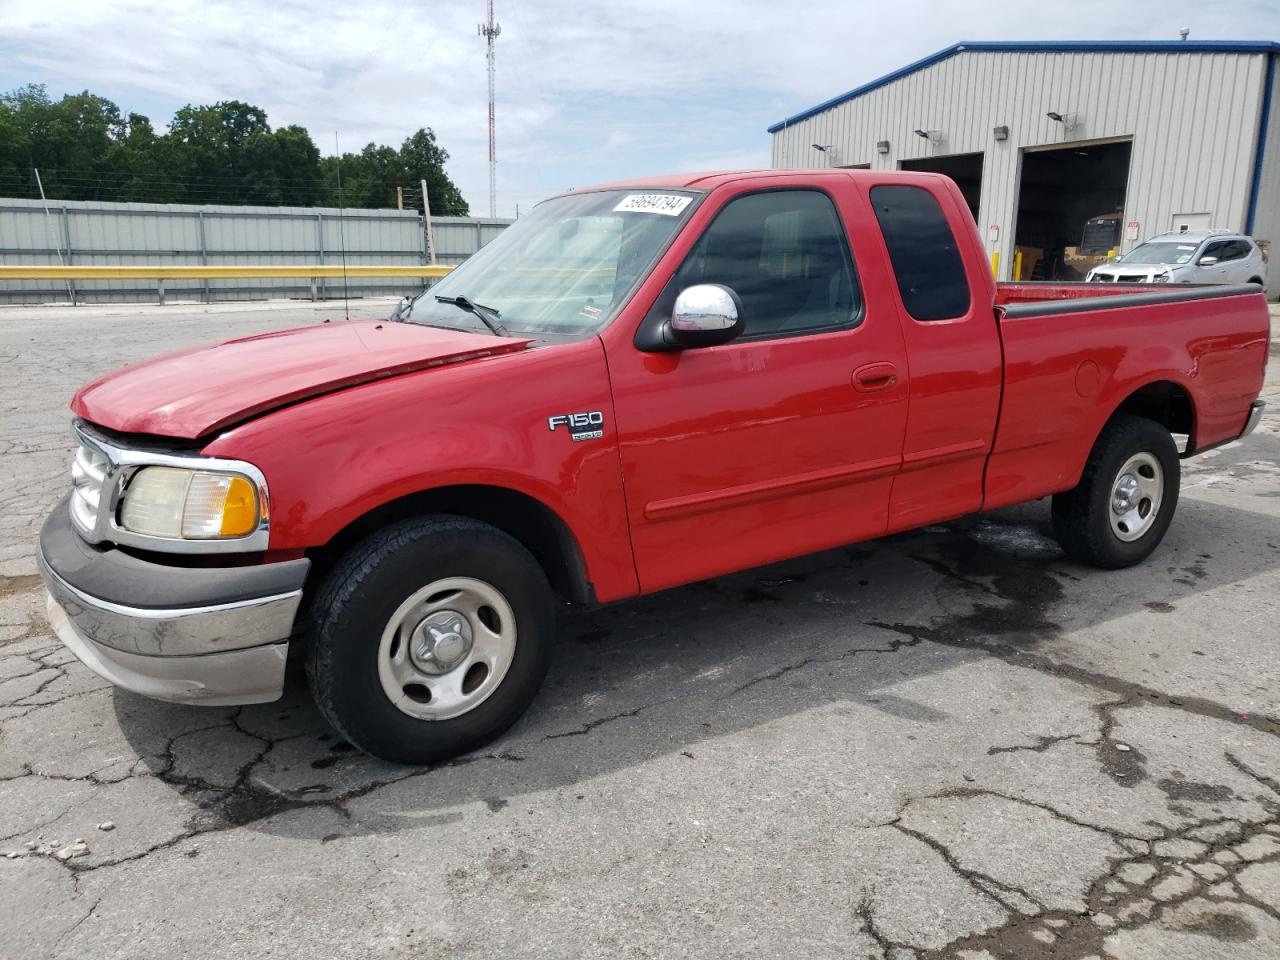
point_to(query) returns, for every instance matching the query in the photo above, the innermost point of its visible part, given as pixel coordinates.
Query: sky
(586, 92)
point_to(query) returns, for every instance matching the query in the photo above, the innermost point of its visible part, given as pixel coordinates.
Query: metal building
(1070, 151)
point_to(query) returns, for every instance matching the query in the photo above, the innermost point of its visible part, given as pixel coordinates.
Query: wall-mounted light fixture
(882, 146)
(1068, 120)
(933, 136)
(1000, 133)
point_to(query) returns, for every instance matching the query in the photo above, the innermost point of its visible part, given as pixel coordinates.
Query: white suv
(1194, 256)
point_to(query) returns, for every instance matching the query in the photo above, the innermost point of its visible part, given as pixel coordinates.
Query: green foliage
(226, 152)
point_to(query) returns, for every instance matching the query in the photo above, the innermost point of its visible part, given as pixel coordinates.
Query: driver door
(784, 441)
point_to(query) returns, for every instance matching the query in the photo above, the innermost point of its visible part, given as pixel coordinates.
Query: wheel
(1126, 497)
(430, 638)
(1257, 280)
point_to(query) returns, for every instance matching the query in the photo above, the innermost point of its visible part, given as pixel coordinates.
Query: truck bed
(1075, 351)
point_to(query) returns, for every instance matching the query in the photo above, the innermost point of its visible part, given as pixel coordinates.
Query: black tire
(1257, 280)
(1082, 516)
(360, 595)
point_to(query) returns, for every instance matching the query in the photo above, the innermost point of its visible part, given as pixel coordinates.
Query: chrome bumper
(190, 634)
(250, 675)
(177, 631)
(1255, 414)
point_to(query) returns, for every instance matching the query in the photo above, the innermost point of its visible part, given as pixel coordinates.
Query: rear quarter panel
(1066, 374)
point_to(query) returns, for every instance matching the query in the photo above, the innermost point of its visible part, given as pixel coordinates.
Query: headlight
(183, 504)
(1161, 277)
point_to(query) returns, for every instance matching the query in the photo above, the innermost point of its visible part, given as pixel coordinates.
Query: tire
(442, 574)
(1084, 521)
(1257, 280)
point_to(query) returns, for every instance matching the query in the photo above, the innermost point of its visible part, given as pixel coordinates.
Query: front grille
(88, 478)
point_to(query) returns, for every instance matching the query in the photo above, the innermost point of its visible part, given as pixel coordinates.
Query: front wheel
(430, 638)
(1122, 507)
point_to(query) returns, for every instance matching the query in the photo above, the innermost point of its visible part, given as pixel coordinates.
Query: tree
(143, 165)
(216, 149)
(423, 159)
(298, 165)
(226, 152)
(370, 177)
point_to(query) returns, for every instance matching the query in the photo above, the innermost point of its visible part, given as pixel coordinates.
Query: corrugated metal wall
(108, 234)
(1192, 119)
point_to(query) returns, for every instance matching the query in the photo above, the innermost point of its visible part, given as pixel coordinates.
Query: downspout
(1260, 151)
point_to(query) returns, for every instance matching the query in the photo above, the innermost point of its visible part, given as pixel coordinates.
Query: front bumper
(210, 635)
(251, 675)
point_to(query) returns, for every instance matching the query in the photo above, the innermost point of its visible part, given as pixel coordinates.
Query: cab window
(923, 250)
(785, 254)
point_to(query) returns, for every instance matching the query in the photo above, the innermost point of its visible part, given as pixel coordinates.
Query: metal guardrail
(313, 272)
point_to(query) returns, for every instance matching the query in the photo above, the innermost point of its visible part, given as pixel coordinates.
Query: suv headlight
(1162, 277)
(182, 504)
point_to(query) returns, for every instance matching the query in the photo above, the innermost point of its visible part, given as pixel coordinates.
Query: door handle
(874, 377)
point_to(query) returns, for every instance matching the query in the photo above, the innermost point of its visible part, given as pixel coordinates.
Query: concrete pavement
(951, 743)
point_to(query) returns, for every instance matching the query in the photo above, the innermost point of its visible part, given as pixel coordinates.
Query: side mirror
(1207, 261)
(704, 315)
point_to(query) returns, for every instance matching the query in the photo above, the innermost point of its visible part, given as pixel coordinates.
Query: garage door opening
(964, 168)
(1070, 209)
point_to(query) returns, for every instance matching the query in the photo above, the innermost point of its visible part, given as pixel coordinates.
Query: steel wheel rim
(1136, 495)
(447, 648)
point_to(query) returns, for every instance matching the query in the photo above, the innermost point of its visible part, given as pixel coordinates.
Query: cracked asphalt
(953, 743)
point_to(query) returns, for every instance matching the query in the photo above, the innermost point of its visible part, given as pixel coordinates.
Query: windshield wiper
(401, 313)
(488, 316)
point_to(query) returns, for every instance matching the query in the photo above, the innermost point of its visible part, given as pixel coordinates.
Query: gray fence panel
(110, 234)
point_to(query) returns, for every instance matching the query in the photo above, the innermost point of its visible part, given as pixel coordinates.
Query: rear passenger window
(923, 251)
(784, 253)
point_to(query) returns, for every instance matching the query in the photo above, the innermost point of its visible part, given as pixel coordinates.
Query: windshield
(562, 270)
(1163, 252)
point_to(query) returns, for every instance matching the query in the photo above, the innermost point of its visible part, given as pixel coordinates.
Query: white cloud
(584, 92)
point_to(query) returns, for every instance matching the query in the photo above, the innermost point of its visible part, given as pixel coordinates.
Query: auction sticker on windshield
(667, 204)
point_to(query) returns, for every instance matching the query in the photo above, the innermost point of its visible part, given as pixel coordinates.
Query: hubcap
(1136, 496)
(440, 641)
(447, 648)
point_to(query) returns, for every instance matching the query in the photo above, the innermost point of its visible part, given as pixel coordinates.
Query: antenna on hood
(342, 235)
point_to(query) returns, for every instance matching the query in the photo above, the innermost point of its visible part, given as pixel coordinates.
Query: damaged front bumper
(208, 635)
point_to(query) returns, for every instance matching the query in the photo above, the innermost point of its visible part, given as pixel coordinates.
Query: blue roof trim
(1052, 46)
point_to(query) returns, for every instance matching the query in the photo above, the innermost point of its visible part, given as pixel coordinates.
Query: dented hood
(205, 389)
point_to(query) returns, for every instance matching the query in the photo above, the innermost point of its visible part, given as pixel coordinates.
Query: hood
(196, 392)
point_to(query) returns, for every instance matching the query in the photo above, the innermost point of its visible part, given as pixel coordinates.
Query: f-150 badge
(582, 426)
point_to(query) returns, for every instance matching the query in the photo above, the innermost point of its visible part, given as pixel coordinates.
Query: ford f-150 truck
(635, 386)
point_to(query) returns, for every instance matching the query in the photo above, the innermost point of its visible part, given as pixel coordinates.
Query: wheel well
(1257, 280)
(1168, 404)
(528, 520)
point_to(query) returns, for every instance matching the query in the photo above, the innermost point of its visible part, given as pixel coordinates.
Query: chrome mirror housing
(704, 314)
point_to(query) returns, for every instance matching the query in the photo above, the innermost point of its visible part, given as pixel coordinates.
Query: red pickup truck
(635, 386)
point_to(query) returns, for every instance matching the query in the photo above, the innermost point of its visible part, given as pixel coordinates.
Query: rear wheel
(1257, 280)
(430, 638)
(1122, 507)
